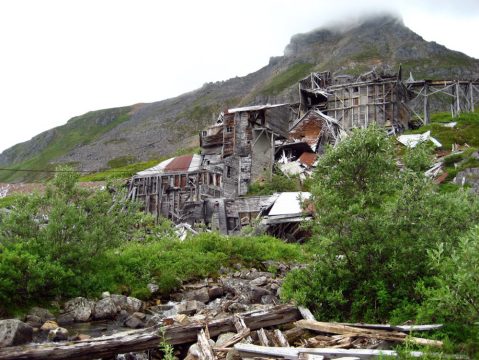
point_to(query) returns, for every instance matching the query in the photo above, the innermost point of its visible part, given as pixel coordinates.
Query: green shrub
(278, 183)
(371, 231)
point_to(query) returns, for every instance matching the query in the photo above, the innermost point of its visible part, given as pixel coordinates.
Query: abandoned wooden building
(245, 144)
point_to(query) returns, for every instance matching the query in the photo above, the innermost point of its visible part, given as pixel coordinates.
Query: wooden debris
(402, 328)
(241, 326)
(249, 350)
(204, 347)
(304, 356)
(143, 339)
(263, 338)
(281, 339)
(294, 334)
(334, 328)
(306, 313)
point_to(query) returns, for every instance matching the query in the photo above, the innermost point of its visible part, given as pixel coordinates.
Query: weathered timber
(263, 338)
(204, 347)
(291, 353)
(306, 313)
(143, 339)
(402, 328)
(281, 339)
(304, 356)
(334, 328)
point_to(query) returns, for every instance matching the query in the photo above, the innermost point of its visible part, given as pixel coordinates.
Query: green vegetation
(372, 231)
(79, 130)
(70, 242)
(278, 183)
(121, 161)
(465, 132)
(286, 78)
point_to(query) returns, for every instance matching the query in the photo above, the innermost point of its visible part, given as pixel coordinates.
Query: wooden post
(426, 103)
(458, 99)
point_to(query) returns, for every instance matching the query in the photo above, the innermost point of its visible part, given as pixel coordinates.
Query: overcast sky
(62, 58)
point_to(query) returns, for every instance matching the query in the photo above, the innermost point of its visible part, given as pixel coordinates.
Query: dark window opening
(229, 129)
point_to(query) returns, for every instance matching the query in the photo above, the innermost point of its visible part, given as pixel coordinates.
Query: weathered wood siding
(262, 155)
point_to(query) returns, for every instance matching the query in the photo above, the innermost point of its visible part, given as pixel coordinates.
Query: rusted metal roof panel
(180, 163)
(308, 159)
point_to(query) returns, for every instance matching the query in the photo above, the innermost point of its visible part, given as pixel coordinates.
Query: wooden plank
(250, 350)
(305, 356)
(281, 338)
(306, 313)
(263, 339)
(204, 348)
(402, 328)
(334, 328)
(143, 339)
(241, 326)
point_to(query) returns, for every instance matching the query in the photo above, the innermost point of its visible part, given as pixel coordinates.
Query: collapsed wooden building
(245, 144)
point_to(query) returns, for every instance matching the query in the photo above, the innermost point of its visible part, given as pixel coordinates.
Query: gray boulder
(14, 332)
(133, 304)
(34, 321)
(199, 294)
(58, 334)
(153, 288)
(65, 319)
(134, 323)
(43, 314)
(105, 309)
(120, 301)
(80, 308)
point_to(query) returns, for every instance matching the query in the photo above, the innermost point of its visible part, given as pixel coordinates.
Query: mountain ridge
(144, 131)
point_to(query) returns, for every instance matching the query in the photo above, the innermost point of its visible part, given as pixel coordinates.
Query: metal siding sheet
(307, 159)
(288, 203)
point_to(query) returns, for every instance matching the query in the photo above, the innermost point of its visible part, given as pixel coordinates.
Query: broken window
(229, 129)
(228, 171)
(204, 133)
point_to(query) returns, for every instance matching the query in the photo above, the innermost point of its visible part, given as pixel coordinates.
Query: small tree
(372, 228)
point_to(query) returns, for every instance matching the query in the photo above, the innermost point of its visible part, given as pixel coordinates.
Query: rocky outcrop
(14, 332)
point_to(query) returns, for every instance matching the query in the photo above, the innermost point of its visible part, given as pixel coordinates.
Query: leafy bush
(74, 242)
(372, 229)
(278, 183)
(169, 261)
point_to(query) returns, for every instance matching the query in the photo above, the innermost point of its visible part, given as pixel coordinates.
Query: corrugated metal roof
(289, 203)
(254, 108)
(308, 159)
(180, 163)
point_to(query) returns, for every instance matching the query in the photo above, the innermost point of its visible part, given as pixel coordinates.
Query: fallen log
(334, 328)
(143, 339)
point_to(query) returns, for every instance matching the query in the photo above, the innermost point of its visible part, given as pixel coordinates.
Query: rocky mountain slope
(106, 138)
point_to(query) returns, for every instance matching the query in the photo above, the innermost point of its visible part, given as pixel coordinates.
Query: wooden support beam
(249, 350)
(205, 351)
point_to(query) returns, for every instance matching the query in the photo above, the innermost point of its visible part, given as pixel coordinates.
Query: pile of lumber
(267, 334)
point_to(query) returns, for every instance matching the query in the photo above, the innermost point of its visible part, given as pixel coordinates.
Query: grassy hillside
(161, 128)
(80, 130)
